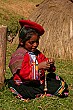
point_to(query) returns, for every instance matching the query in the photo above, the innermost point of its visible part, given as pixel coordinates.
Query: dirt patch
(23, 8)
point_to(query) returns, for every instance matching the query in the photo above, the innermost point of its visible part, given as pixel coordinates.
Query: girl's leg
(24, 91)
(56, 85)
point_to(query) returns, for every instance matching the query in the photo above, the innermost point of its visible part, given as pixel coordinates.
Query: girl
(28, 66)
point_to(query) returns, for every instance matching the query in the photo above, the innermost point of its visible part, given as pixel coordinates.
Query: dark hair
(26, 33)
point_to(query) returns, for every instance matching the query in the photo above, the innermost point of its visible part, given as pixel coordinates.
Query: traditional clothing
(33, 25)
(28, 81)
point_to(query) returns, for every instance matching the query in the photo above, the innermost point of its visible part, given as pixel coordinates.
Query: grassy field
(64, 68)
(8, 102)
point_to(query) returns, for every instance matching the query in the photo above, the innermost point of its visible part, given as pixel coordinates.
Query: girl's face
(32, 43)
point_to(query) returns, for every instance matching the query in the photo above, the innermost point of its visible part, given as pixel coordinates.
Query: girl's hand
(46, 64)
(51, 60)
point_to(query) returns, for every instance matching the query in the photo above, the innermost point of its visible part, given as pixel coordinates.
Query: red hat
(31, 24)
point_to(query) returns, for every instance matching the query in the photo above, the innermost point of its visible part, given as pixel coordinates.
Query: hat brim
(31, 24)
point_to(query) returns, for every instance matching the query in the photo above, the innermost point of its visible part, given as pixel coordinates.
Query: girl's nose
(35, 44)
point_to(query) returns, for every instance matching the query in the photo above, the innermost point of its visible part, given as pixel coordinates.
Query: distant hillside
(13, 10)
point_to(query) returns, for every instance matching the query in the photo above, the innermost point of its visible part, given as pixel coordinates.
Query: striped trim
(61, 89)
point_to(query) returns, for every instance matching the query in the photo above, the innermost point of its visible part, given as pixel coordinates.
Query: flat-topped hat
(33, 25)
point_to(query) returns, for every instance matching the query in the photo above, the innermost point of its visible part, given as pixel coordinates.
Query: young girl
(33, 73)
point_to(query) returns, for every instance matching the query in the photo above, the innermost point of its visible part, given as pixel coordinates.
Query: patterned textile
(30, 91)
(61, 89)
(26, 87)
(57, 85)
(15, 93)
(19, 96)
(16, 60)
(34, 66)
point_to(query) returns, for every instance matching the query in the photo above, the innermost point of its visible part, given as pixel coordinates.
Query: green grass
(9, 102)
(10, 20)
(64, 68)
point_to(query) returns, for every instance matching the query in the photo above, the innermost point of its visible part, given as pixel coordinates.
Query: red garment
(33, 25)
(25, 71)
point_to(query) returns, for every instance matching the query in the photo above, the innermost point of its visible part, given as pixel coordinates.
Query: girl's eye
(37, 41)
(32, 42)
